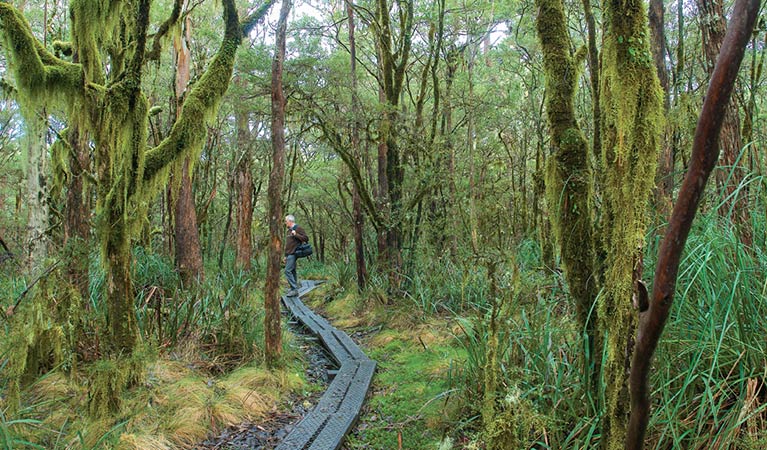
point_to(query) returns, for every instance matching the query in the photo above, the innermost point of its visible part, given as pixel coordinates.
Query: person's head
(290, 220)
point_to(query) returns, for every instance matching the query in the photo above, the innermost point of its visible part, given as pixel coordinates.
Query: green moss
(40, 334)
(41, 78)
(514, 423)
(411, 390)
(632, 124)
(115, 113)
(569, 178)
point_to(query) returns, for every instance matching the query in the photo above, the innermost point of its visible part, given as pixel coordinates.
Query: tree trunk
(451, 66)
(382, 197)
(392, 64)
(594, 75)
(664, 179)
(37, 190)
(632, 123)
(244, 180)
(471, 147)
(273, 332)
(187, 237)
(568, 180)
(731, 176)
(705, 153)
(77, 213)
(357, 217)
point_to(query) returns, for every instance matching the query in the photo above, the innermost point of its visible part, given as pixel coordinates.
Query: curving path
(325, 427)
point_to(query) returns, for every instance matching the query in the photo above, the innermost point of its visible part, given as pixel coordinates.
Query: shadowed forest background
(486, 185)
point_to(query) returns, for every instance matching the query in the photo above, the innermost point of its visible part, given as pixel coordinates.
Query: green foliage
(715, 333)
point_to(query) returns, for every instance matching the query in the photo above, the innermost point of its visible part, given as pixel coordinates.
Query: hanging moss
(632, 123)
(41, 78)
(569, 178)
(41, 333)
(115, 112)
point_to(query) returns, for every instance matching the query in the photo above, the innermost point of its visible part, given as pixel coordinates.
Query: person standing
(296, 236)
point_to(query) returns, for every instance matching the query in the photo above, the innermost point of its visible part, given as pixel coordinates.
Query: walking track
(325, 427)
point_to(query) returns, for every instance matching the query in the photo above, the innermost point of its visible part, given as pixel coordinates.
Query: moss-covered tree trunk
(77, 213)
(569, 178)
(357, 216)
(272, 330)
(632, 121)
(392, 63)
(37, 190)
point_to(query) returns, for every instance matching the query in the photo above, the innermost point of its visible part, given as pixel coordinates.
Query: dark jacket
(291, 242)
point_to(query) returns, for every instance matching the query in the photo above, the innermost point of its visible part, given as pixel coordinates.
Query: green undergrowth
(201, 358)
(410, 401)
(710, 379)
(175, 407)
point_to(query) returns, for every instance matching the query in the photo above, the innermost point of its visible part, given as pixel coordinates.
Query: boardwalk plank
(325, 427)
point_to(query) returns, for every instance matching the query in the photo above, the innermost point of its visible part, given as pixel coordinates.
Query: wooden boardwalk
(325, 427)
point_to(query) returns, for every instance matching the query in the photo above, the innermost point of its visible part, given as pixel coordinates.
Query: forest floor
(409, 405)
(268, 433)
(186, 401)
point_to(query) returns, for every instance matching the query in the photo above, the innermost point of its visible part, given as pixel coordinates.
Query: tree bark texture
(730, 178)
(77, 214)
(187, 237)
(244, 182)
(273, 332)
(37, 190)
(705, 154)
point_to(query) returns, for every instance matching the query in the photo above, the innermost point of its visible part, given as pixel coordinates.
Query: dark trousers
(290, 271)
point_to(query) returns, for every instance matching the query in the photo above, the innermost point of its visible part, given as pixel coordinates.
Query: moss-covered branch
(247, 24)
(154, 54)
(188, 132)
(568, 181)
(37, 72)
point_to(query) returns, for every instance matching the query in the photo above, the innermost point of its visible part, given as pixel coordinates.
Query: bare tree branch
(705, 153)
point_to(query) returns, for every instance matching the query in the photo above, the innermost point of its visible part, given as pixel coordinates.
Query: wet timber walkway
(325, 427)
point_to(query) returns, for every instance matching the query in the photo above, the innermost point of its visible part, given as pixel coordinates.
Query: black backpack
(303, 250)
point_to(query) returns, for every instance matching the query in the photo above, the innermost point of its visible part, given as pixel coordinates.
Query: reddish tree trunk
(187, 237)
(244, 180)
(704, 157)
(729, 179)
(188, 252)
(273, 333)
